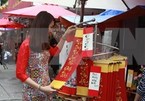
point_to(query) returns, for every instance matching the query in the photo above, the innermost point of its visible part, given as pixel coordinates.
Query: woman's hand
(69, 32)
(47, 89)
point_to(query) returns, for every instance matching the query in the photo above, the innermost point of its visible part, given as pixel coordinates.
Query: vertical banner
(103, 90)
(83, 72)
(70, 87)
(111, 79)
(122, 64)
(122, 67)
(87, 46)
(63, 55)
(72, 61)
(129, 77)
(94, 81)
(116, 85)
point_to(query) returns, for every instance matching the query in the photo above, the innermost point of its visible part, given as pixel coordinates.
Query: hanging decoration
(87, 46)
(72, 61)
(4, 6)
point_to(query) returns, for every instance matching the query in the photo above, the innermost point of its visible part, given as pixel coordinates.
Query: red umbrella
(98, 4)
(5, 23)
(56, 11)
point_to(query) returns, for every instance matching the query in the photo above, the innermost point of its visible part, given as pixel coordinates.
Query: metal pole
(125, 4)
(82, 9)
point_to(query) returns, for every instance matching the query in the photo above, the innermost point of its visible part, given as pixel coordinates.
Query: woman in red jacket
(33, 56)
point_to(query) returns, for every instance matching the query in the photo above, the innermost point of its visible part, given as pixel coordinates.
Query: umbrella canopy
(68, 20)
(116, 21)
(5, 23)
(133, 13)
(31, 12)
(133, 3)
(100, 4)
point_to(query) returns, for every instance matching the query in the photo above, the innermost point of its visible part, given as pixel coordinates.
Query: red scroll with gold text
(72, 61)
(87, 46)
(83, 72)
(122, 64)
(94, 81)
(105, 81)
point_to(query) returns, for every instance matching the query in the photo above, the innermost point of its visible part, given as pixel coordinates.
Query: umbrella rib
(125, 4)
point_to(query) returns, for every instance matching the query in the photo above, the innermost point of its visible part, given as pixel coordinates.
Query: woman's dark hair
(39, 38)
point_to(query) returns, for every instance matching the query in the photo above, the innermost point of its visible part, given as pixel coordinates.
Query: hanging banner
(122, 64)
(104, 80)
(72, 61)
(94, 81)
(70, 87)
(116, 82)
(83, 72)
(87, 46)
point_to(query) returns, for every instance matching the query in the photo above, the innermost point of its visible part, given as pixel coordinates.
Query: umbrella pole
(22, 36)
(82, 9)
(125, 4)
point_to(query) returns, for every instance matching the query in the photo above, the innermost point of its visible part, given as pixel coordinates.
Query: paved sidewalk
(10, 87)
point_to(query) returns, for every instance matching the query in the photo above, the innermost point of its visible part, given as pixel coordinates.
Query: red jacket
(23, 58)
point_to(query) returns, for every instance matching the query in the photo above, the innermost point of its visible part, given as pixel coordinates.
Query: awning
(69, 20)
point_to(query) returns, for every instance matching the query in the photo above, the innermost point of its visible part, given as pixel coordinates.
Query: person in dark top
(1, 57)
(1, 53)
(140, 92)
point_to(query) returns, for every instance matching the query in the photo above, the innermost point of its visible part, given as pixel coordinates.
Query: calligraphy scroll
(87, 46)
(122, 64)
(94, 81)
(70, 87)
(83, 72)
(104, 80)
(72, 61)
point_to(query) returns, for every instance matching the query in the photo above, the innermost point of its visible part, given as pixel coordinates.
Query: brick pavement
(10, 87)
